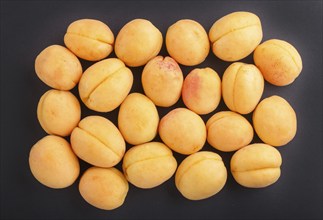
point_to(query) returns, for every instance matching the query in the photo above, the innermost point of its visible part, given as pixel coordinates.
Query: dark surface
(27, 27)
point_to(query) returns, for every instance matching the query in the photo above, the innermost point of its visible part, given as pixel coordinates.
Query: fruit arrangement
(106, 85)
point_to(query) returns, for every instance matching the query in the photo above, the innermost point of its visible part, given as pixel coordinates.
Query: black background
(27, 27)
